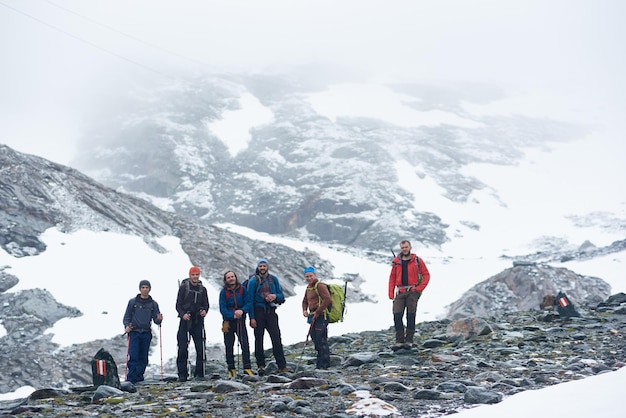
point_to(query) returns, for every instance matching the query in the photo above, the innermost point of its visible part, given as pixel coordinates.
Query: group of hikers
(257, 298)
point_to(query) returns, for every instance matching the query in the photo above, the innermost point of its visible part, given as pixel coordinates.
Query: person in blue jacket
(233, 309)
(265, 295)
(141, 310)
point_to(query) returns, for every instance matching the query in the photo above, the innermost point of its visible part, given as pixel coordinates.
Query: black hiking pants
(237, 327)
(194, 328)
(319, 335)
(267, 319)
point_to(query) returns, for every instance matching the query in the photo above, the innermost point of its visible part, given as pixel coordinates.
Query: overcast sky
(63, 58)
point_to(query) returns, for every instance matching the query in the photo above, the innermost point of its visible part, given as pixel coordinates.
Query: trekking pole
(203, 349)
(161, 349)
(127, 356)
(345, 294)
(306, 342)
(188, 341)
(238, 341)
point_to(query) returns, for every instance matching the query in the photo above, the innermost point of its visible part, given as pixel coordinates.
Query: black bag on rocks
(104, 370)
(564, 306)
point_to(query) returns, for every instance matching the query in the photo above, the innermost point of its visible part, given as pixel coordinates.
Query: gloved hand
(225, 327)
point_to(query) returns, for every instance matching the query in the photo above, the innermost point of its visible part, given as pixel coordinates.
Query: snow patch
(234, 127)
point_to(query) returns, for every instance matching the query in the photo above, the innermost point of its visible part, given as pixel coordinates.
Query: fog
(63, 60)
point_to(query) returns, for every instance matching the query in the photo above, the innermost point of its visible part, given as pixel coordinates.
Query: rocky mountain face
(303, 174)
(36, 194)
(454, 365)
(523, 286)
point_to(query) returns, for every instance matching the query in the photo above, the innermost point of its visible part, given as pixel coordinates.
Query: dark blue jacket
(140, 312)
(230, 300)
(258, 287)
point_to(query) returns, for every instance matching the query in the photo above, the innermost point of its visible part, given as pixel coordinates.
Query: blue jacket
(230, 300)
(140, 312)
(255, 296)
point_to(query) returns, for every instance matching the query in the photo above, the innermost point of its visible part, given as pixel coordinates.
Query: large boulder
(522, 288)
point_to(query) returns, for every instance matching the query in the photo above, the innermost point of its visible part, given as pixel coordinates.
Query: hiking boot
(261, 371)
(397, 346)
(408, 346)
(284, 370)
(232, 373)
(400, 336)
(182, 379)
(248, 372)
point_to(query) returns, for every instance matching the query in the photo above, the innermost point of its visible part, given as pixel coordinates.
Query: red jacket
(395, 277)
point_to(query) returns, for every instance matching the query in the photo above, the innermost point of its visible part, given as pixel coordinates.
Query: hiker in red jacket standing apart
(408, 278)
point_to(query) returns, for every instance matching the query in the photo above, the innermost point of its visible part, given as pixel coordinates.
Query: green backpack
(334, 313)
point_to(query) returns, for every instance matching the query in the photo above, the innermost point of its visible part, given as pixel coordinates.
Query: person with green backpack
(314, 306)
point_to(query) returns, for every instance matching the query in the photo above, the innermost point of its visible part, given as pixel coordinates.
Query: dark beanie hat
(144, 283)
(262, 261)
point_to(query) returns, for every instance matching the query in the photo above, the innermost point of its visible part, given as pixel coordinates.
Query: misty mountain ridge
(301, 173)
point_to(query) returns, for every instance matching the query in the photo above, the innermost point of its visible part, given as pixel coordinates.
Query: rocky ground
(454, 365)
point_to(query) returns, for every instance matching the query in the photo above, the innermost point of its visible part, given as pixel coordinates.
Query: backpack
(564, 306)
(334, 312)
(245, 283)
(104, 370)
(241, 291)
(419, 271)
(188, 289)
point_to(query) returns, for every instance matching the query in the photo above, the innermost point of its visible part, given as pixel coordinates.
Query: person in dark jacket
(265, 295)
(316, 300)
(140, 311)
(408, 278)
(234, 309)
(192, 305)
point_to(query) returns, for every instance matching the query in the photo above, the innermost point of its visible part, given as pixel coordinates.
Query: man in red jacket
(408, 278)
